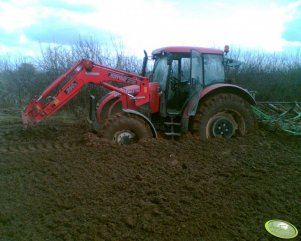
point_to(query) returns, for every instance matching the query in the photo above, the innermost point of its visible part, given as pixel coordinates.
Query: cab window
(213, 69)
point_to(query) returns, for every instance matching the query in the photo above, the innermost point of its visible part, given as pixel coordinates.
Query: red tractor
(185, 92)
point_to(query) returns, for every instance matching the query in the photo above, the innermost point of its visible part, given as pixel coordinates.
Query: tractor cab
(183, 72)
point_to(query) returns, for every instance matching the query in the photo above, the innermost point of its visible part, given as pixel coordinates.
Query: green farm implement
(285, 116)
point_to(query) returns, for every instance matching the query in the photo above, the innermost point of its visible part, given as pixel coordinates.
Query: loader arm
(54, 97)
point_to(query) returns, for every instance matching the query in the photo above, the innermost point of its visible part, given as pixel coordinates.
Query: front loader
(185, 92)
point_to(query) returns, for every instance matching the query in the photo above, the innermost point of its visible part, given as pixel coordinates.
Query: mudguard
(191, 108)
(114, 102)
(146, 119)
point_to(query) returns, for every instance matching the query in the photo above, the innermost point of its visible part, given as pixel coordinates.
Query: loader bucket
(25, 119)
(32, 114)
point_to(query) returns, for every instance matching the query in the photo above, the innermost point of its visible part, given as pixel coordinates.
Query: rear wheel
(125, 129)
(223, 115)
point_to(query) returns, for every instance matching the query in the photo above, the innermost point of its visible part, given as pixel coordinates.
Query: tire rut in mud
(41, 147)
(14, 139)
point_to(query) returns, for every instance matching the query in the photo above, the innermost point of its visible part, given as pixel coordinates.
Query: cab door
(179, 83)
(186, 79)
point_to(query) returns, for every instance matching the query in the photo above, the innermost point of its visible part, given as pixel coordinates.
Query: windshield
(213, 69)
(160, 72)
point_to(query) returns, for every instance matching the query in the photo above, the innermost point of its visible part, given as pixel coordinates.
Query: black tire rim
(222, 125)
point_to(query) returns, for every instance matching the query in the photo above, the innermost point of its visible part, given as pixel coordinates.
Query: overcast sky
(268, 25)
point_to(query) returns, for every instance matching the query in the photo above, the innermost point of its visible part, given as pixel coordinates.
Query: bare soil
(58, 181)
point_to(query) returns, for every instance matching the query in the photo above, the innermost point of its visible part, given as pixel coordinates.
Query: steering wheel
(174, 83)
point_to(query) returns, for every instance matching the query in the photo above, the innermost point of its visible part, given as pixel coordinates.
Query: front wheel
(223, 115)
(125, 129)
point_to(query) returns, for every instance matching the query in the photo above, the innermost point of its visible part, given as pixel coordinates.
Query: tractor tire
(125, 129)
(223, 115)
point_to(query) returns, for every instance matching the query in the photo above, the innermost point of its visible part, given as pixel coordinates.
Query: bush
(274, 77)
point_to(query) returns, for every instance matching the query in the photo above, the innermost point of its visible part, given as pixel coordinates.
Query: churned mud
(58, 181)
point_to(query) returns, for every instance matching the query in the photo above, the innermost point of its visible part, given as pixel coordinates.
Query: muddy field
(58, 181)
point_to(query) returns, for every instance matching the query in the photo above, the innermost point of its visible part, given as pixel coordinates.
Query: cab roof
(186, 49)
